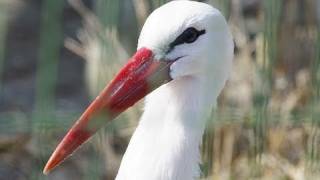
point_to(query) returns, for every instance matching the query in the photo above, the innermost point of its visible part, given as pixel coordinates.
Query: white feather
(165, 145)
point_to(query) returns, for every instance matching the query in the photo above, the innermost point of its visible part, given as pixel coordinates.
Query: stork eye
(188, 36)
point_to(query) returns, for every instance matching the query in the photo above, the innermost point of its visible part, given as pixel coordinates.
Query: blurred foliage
(3, 32)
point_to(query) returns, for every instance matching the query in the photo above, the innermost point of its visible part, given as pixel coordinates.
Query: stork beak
(141, 75)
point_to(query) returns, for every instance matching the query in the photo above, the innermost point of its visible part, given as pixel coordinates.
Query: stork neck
(166, 142)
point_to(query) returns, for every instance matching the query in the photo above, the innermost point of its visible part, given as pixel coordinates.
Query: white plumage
(165, 145)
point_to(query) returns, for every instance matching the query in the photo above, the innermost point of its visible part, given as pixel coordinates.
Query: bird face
(194, 35)
(181, 38)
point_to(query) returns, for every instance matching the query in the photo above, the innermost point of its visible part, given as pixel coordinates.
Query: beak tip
(46, 170)
(51, 164)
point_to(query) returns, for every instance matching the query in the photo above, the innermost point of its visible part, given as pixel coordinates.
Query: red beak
(141, 75)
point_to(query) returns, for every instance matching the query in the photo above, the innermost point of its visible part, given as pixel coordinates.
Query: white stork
(184, 57)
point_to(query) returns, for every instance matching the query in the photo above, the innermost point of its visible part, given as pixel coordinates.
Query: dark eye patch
(188, 36)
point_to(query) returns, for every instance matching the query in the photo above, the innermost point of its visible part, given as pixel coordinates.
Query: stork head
(181, 38)
(192, 34)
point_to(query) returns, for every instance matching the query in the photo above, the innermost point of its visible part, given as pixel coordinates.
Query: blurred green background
(56, 55)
